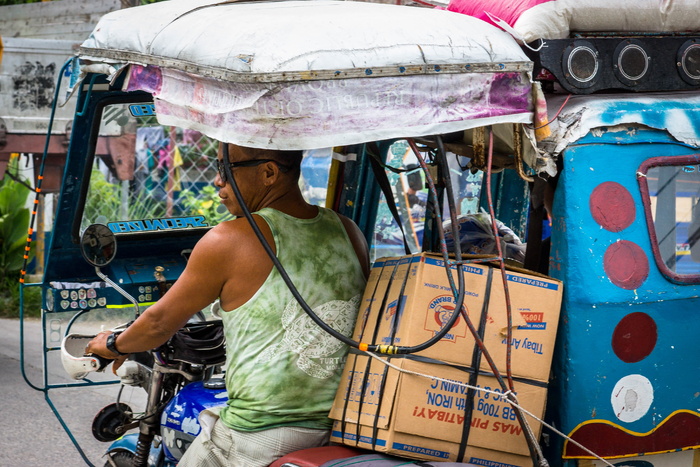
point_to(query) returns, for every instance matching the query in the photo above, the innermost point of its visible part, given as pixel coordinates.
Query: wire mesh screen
(145, 171)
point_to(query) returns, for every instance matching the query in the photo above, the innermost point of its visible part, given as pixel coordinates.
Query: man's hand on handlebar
(98, 346)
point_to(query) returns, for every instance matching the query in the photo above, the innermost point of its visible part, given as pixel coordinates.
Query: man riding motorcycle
(280, 381)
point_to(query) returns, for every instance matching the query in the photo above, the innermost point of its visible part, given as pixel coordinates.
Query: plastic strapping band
(382, 385)
(463, 368)
(476, 363)
(365, 376)
(343, 424)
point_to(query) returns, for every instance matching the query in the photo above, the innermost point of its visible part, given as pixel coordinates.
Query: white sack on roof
(242, 41)
(557, 19)
(308, 74)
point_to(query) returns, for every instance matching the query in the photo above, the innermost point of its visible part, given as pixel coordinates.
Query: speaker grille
(581, 64)
(689, 62)
(632, 62)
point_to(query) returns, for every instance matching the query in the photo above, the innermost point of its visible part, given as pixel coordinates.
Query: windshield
(149, 177)
(146, 176)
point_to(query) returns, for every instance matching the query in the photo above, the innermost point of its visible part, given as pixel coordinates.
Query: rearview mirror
(98, 245)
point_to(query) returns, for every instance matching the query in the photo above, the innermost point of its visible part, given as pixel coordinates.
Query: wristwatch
(111, 343)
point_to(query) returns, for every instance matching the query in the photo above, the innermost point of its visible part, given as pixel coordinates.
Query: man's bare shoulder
(228, 234)
(232, 253)
(235, 237)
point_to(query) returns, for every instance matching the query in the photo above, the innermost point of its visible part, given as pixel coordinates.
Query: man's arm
(198, 286)
(358, 241)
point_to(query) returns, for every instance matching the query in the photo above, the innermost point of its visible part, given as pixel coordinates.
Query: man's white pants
(219, 446)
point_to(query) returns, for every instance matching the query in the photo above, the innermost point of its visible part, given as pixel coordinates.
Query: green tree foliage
(17, 2)
(205, 203)
(104, 201)
(14, 225)
(14, 222)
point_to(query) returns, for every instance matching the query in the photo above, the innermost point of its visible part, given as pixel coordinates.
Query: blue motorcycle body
(179, 424)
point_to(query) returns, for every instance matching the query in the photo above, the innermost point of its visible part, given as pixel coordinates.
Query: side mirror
(98, 245)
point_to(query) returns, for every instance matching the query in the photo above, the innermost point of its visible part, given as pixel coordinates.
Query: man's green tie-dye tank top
(282, 368)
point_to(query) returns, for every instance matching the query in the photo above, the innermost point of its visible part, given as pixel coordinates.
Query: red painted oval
(626, 264)
(612, 206)
(634, 337)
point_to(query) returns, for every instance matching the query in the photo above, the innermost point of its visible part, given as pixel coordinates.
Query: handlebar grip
(103, 361)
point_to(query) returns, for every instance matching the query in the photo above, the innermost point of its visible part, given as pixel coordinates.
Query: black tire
(121, 459)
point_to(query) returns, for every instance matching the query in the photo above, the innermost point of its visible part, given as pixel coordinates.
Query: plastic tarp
(314, 114)
(529, 20)
(676, 113)
(309, 74)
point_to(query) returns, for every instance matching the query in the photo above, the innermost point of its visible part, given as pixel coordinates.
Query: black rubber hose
(388, 349)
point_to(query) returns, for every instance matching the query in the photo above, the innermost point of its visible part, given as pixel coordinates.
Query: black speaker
(688, 62)
(581, 65)
(584, 65)
(631, 62)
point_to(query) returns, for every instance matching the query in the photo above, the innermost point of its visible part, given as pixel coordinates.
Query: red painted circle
(612, 206)
(634, 337)
(626, 264)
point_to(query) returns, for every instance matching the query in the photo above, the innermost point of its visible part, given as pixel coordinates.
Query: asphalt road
(30, 433)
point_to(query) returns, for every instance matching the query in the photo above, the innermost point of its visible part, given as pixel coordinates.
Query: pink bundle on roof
(529, 20)
(507, 10)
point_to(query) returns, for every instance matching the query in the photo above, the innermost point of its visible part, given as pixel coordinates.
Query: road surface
(31, 435)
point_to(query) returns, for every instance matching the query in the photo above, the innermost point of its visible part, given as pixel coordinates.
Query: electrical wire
(549, 121)
(40, 176)
(385, 349)
(535, 450)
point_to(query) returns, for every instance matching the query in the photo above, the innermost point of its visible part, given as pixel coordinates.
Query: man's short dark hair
(289, 160)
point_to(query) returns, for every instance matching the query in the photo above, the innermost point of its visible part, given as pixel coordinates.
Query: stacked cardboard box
(444, 402)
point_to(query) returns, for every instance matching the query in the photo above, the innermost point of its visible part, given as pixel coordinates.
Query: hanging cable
(496, 394)
(384, 349)
(443, 248)
(534, 447)
(507, 387)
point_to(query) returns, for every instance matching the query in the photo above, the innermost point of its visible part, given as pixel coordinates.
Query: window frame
(668, 161)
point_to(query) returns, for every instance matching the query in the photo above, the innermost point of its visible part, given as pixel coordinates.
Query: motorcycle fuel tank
(180, 419)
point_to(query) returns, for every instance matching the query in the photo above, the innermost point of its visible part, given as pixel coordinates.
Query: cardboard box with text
(430, 416)
(409, 299)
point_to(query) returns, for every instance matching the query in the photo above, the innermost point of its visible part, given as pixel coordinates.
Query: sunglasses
(222, 163)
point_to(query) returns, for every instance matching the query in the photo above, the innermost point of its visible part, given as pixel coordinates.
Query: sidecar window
(671, 192)
(148, 177)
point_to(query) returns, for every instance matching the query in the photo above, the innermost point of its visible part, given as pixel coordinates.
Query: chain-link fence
(144, 171)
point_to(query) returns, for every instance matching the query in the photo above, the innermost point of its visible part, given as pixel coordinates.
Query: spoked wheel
(120, 459)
